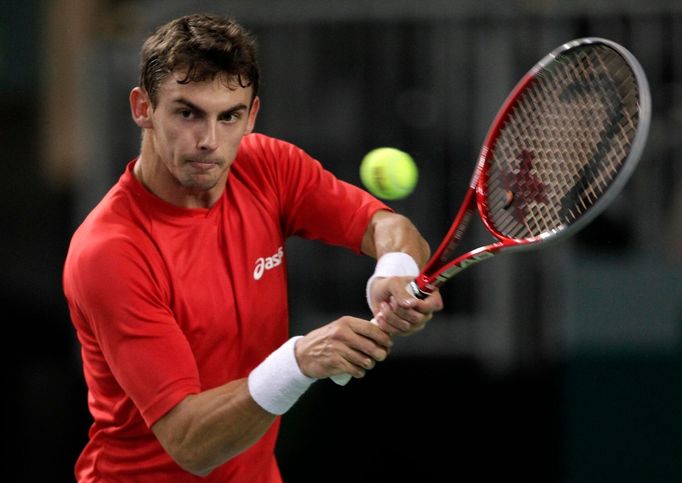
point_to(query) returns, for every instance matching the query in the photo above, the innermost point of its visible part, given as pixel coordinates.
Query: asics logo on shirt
(268, 263)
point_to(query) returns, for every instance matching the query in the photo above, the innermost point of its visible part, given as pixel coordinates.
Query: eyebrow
(194, 107)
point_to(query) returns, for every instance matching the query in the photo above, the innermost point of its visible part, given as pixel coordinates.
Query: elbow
(196, 459)
(191, 461)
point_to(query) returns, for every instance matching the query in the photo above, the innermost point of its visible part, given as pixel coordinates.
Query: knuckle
(338, 331)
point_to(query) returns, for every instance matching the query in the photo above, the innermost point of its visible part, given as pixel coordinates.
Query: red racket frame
(439, 269)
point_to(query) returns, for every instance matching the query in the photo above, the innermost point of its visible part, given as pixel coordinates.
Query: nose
(208, 139)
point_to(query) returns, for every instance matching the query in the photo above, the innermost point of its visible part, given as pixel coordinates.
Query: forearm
(396, 309)
(390, 232)
(209, 428)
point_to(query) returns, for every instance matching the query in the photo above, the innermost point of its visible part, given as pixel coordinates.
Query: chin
(195, 184)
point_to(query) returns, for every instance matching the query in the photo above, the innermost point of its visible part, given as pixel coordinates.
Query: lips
(202, 164)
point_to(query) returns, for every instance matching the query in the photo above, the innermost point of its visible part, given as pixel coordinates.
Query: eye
(186, 113)
(230, 117)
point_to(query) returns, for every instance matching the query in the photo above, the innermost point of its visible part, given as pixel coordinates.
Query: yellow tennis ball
(389, 173)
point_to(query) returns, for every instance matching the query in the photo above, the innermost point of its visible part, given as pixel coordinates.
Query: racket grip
(343, 379)
(413, 288)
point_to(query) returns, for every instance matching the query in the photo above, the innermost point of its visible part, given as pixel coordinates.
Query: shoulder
(265, 152)
(110, 243)
(267, 163)
(273, 155)
(113, 221)
(261, 145)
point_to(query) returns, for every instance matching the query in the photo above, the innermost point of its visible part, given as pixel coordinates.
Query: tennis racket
(560, 149)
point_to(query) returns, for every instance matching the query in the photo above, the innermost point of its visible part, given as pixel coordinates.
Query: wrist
(277, 382)
(392, 264)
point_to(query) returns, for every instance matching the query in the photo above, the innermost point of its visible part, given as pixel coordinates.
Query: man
(176, 282)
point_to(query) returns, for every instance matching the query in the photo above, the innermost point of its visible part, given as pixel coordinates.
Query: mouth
(202, 164)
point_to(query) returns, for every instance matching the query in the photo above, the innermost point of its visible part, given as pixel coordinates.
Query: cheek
(175, 140)
(230, 143)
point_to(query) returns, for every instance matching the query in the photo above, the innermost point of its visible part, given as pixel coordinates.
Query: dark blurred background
(555, 366)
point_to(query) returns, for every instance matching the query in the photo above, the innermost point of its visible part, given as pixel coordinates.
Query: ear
(141, 107)
(253, 114)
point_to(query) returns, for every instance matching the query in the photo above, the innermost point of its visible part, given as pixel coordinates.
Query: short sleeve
(121, 299)
(315, 204)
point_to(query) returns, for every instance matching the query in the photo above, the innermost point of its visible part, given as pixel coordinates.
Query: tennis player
(176, 281)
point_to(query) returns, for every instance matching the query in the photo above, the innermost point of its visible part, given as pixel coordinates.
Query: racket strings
(562, 144)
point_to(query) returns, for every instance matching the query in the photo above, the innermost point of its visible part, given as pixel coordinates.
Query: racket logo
(523, 187)
(268, 263)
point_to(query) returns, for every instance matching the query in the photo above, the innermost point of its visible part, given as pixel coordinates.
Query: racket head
(563, 144)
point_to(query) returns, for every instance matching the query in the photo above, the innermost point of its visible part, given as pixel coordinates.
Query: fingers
(373, 336)
(348, 345)
(353, 346)
(399, 320)
(404, 314)
(367, 345)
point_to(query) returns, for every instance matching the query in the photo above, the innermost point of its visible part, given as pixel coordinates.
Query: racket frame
(439, 269)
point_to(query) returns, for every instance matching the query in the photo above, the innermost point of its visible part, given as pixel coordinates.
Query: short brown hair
(204, 46)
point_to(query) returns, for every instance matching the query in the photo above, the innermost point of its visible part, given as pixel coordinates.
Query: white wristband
(277, 382)
(392, 264)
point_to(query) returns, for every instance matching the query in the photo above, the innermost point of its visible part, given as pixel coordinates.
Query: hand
(347, 345)
(397, 311)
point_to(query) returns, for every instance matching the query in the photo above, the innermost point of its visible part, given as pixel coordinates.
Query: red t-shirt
(169, 301)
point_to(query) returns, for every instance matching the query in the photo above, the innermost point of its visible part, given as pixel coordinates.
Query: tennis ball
(389, 173)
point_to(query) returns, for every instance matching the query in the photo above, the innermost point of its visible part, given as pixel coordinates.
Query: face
(192, 136)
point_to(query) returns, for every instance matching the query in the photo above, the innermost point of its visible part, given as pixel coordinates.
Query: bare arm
(396, 310)
(209, 428)
(390, 232)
